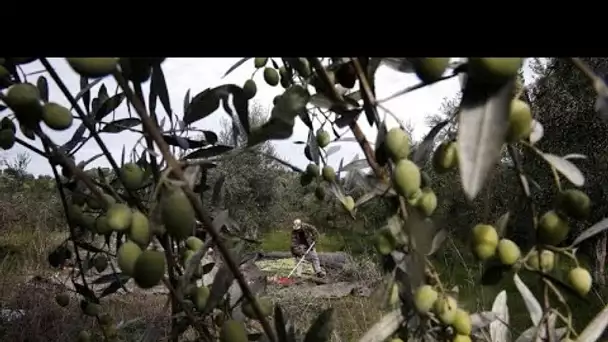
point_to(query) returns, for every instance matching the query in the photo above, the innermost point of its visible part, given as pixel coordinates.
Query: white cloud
(198, 74)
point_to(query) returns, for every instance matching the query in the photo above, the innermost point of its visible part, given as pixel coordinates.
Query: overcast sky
(198, 74)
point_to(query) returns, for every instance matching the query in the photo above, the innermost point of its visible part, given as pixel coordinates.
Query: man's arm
(312, 230)
(295, 245)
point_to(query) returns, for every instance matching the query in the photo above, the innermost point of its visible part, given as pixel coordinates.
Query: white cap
(297, 224)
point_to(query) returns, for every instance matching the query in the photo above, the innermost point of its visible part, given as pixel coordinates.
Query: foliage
(180, 173)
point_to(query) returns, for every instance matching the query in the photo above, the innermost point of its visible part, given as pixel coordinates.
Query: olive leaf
(305, 117)
(601, 102)
(480, 320)
(210, 136)
(209, 152)
(184, 143)
(202, 105)
(566, 168)
(482, 127)
(384, 328)
(365, 198)
(594, 330)
(102, 93)
(221, 283)
(575, 156)
(236, 65)
(87, 246)
(331, 150)
(438, 241)
(116, 285)
(43, 88)
(597, 228)
(85, 92)
(530, 334)
(208, 101)
(313, 147)
(533, 306)
(281, 324)
(537, 132)
(321, 328)
(421, 231)
(501, 224)
(158, 85)
(186, 100)
(108, 106)
(357, 164)
(499, 329)
(118, 126)
(75, 140)
(420, 154)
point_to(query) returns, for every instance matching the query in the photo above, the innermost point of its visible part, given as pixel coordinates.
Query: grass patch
(329, 241)
(25, 250)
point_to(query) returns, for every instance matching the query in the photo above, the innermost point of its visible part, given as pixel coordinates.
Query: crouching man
(302, 237)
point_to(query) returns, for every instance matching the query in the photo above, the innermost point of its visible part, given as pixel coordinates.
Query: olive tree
(157, 196)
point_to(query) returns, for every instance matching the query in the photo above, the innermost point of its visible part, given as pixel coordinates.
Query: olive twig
(90, 125)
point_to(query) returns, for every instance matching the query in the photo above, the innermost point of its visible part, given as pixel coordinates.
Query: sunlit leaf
(566, 168)
(532, 304)
(594, 330)
(575, 156)
(537, 132)
(499, 329)
(480, 320)
(592, 231)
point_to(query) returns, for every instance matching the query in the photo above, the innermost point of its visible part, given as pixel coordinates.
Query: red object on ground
(284, 281)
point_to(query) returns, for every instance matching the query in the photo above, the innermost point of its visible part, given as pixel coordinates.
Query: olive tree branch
(202, 214)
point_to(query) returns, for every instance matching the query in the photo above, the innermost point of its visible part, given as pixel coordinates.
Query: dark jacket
(301, 239)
